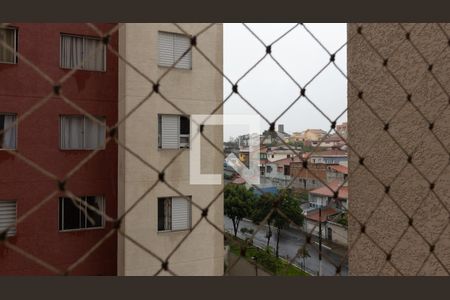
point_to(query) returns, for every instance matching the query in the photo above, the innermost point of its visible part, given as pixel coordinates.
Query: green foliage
(238, 203)
(264, 258)
(343, 219)
(285, 202)
(228, 177)
(284, 207)
(268, 260)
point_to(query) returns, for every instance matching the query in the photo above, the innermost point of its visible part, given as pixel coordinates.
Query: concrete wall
(387, 231)
(339, 233)
(196, 91)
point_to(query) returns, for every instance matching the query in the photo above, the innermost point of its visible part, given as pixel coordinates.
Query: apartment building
(56, 137)
(157, 132)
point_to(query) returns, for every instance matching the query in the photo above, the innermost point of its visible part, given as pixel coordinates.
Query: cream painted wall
(196, 91)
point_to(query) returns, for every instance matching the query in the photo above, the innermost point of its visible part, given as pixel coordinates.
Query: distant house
(336, 230)
(342, 129)
(313, 218)
(313, 134)
(263, 160)
(325, 196)
(279, 171)
(330, 157)
(332, 141)
(296, 137)
(272, 138)
(244, 156)
(308, 179)
(282, 135)
(281, 152)
(337, 172)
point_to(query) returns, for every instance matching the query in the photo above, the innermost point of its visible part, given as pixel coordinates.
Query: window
(75, 215)
(287, 170)
(173, 131)
(8, 54)
(172, 46)
(80, 132)
(82, 52)
(8, 131)
(174, 213)
(8, 217)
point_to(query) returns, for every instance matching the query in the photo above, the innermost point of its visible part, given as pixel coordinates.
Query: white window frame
(100, 118)
(187, 198)
(181, 144)
(16, 42)
(61, 226)
(84, 37)
(17, 133)
(9, 234)
(174, 35)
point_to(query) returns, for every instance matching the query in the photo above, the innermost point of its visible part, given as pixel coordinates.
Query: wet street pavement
(290, 241)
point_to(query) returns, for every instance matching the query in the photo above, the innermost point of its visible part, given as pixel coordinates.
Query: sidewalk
(243, 267)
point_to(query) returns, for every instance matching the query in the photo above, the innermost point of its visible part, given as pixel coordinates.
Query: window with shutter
(173, 131)
(8, 217)
(181, 218)
(174, 213)
(8, 53)
(170, 132)
(174, 47)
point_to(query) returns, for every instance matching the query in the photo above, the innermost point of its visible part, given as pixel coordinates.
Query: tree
(238, 202)
(263, 206)
(286, 208)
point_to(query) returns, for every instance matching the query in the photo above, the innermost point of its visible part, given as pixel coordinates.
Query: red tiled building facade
(57, 137)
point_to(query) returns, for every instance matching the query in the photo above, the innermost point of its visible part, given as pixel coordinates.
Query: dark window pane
(159, 131)
(95, 218)
(61, 200)
(161, 216)
(2, 124)
(184, 125)
(71, 215)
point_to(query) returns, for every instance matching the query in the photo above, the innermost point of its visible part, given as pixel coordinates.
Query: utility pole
(320, 241)
(255, 259)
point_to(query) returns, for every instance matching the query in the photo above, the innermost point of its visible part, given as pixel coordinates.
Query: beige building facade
(193, 87)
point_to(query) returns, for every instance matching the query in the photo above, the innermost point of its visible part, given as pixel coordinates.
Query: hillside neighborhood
(312, 166)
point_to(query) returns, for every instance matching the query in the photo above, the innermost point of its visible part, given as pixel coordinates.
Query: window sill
(82, 150)
(175, 68)
(173, 231)
(176, 149)
(81, 229)
(85, 70)
(8, 63)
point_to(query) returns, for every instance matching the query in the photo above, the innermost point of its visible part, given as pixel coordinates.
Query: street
(290, 241)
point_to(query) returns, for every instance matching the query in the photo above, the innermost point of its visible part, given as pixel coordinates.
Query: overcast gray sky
(270, 90)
